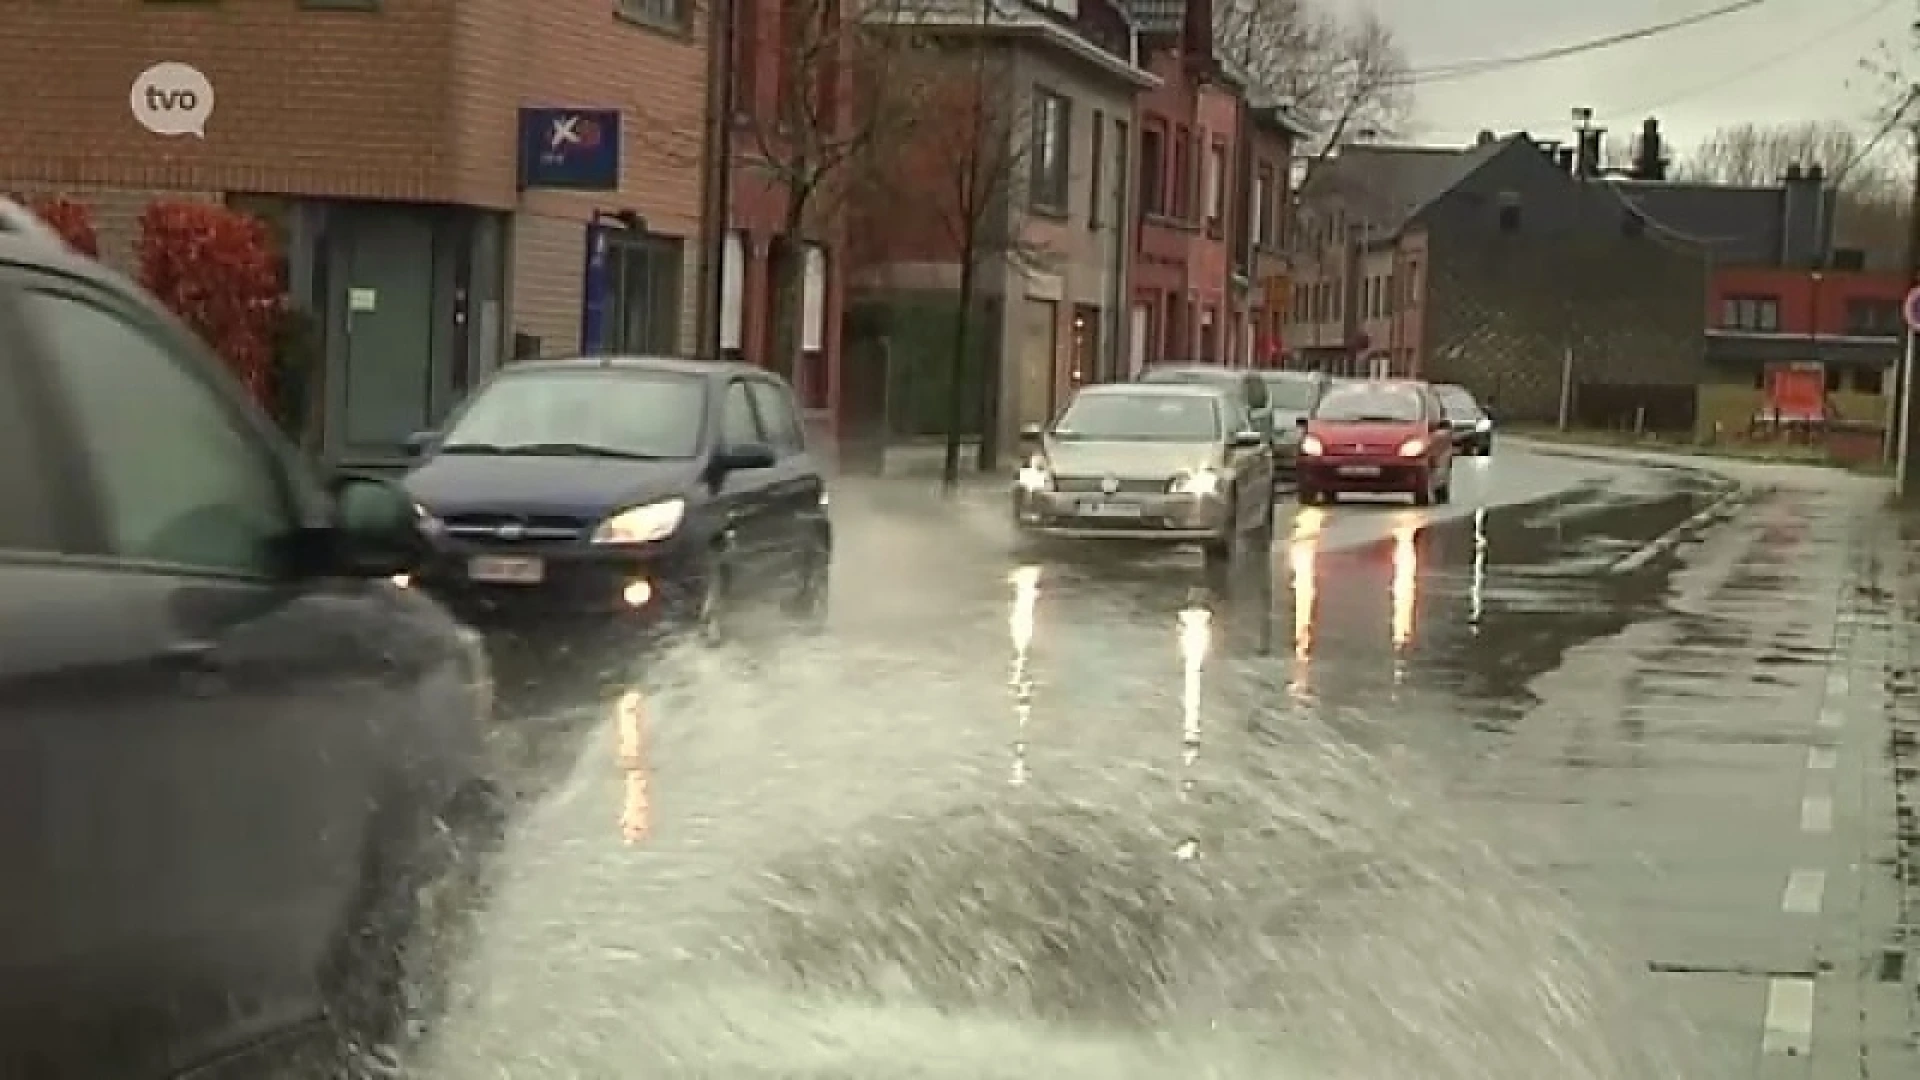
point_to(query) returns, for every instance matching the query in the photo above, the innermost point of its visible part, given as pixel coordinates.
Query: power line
(1470, 68)
(1799, 49)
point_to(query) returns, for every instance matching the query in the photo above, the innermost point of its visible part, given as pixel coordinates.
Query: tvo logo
(172, 99)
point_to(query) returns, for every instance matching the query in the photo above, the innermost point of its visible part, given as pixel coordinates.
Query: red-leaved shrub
(72, 220)
(215, 268)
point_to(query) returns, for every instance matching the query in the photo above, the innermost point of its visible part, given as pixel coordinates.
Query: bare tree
(1871, 182)
(1344, 74)
(967, 164)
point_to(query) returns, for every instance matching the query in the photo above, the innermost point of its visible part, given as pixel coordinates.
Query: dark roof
(1390, 185)
(673, 364)
(1735, 224)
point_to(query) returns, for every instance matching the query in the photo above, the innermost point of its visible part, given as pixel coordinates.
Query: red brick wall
(1802, 303)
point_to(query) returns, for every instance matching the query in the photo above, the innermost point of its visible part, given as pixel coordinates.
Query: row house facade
(1497, 266)
(452, 186)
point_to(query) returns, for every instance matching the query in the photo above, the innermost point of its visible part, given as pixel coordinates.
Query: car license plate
(1110, 510)
(502, 570)
(1359, 470)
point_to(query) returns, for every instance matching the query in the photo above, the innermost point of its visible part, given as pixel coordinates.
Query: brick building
(783, 49)
(1183, 306)
(1053, 293)
(381, 141)
(1262, 270)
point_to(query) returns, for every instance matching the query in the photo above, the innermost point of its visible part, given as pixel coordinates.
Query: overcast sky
(1786, 60)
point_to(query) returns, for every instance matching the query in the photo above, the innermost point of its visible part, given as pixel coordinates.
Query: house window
(1182, 174)
(1261, 228)
(1873, 317)
(1095, 197)
(1052, 132)
(671, 14)
(1216, 181)
(1759, 313)
(1153, 174)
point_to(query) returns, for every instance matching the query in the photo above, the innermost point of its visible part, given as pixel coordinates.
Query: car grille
(511, 527)
(1097, 484)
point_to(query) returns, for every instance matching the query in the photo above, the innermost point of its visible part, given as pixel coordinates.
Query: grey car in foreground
(1174, 463)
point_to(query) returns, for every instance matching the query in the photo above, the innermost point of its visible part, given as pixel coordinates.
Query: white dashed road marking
(1805, 891)
(1816, 814)
(1822, 758)
(1789, 1023)
(1832, 717)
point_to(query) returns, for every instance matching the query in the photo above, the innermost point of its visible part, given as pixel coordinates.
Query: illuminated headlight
(642, 524)
(1413, 448)
(1035, 476)
(1198, 482)
(1311, 446)
(1483, 424)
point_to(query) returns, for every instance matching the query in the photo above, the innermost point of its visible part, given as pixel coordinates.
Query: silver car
(1172, 462)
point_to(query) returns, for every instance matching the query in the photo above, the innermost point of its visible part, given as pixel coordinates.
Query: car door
(794, 483)
(206, 787)
(744, 498)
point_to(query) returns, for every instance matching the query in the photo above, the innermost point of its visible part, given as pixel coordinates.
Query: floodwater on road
(1085, 817)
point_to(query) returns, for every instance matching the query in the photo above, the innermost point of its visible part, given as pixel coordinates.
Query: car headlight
(1311, 446)
(1035, 476)
(1483, 424)
(429, 524)
(1198, 482)
(1413, 448)
(642, 524)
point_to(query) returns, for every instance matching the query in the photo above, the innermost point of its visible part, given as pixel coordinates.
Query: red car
(1378, 437)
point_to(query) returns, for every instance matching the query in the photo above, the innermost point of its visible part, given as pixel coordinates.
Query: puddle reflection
(630, 725)
(1406, 581)
(1196, 638)
(1302, 551)
(1477, 584)
(1026, 596)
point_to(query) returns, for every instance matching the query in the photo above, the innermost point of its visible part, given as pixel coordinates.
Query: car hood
(1137, 459)
(1368, 435)
(574, 486)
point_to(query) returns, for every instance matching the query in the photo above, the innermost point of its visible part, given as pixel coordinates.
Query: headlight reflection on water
(1196, 636)
(1302, 552)
(1477, 586)
(630, 726)
(1026, 597)
(1406, 582)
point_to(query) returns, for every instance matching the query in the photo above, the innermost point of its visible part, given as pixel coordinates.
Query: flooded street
(1538, 784)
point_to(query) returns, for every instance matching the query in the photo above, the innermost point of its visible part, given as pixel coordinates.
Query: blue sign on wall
(571, 149)
(596, 291)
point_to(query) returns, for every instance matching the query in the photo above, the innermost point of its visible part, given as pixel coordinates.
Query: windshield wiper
(470, 448)
(1377, 420)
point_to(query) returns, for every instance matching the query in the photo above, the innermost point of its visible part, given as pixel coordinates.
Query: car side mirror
(743, 456)
(418, 443)
(376, 529)
(1247, 439)
(1031, 433)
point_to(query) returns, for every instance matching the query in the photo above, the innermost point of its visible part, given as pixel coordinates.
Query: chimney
(1803, 224)
(1563, 157)
(1587, 154)
(1650, 160)
(1485, 138)
(1198, 29)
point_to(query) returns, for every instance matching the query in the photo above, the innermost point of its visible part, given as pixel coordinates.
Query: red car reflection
(1382, 437)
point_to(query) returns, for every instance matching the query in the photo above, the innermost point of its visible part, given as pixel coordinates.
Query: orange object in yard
(1796, 394)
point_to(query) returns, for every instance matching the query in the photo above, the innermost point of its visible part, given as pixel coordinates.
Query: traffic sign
(1910, 307)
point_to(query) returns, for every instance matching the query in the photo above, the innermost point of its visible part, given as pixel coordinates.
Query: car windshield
(1120, 417)
(1291, 394)
(1459, 404)
(1371, 403)
(595, 412)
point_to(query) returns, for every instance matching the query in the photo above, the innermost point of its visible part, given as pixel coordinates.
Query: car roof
(1291, 376)
(676, 365)
(1206, 370)
(1154, 389)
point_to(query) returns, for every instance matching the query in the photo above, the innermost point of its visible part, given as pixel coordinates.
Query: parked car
(237, 760)
(625, 493)
(1471, 424)
(1247, 389)
(1173, 463)
(1291, 395)
(1377, 437)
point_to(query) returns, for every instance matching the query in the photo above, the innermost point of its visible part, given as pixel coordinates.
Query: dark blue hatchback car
(624, 493)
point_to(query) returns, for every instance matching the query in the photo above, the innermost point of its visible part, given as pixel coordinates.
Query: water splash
(1020, 626)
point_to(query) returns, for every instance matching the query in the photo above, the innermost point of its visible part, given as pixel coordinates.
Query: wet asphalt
(1524, 786)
